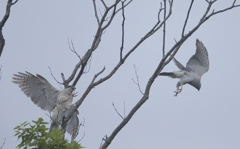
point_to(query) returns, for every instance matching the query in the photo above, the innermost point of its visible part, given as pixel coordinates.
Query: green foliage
(36, 137)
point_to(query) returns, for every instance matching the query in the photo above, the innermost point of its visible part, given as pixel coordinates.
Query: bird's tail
(53, 125)
(169, 74)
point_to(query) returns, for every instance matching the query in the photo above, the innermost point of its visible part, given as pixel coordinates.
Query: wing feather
(199, 63)
(41, 92)
(73, 124)
(178, 64)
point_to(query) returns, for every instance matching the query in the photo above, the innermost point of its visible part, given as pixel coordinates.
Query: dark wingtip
(166, 74)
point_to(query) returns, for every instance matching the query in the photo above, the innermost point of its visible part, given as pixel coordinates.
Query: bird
(48, 98)
(196, 66)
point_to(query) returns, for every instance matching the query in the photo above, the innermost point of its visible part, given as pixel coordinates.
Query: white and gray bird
(45, 96)
(196, 66)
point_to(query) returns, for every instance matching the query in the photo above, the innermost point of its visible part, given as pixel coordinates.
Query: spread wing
(73, 124)
(178, 64)
(199, 63)
(41, 92)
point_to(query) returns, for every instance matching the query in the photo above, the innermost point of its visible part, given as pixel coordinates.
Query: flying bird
(45, 96)
(197, 65)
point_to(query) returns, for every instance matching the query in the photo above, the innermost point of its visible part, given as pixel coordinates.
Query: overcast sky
(36, 36)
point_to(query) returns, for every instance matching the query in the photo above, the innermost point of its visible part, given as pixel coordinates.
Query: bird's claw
(178, 91)
(74, 94)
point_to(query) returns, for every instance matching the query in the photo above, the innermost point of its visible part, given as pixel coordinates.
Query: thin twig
(159, 12)
(89, 65)
(3, 143)
(73, 49)
(96, 75)
(104, 4)
(124, 6)
(117, 111)
(164, 28)
(121, 49)
(82, 137)
(137, 83)
(54, 77)
(95, 10)
(187, 18)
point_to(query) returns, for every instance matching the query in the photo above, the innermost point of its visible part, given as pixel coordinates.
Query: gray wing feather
(178, 64)
(73, 124)
(199, 63)
(41, 92)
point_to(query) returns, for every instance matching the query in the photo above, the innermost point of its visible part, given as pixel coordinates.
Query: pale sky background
(36, 37)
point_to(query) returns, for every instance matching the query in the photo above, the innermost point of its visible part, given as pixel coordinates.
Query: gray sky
(36, 37)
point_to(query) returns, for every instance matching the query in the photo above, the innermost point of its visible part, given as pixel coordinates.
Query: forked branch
(2, 23)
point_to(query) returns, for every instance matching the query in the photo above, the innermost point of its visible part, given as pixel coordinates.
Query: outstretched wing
(199, 63)
(178, 64)
(41, 92)
(73, 124)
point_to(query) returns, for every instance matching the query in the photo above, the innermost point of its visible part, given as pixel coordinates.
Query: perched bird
(45, 96)
(197, 65)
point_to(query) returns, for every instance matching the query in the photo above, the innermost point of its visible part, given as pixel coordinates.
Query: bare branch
(15, 2)
(117, 111)
(187, 18)
(96, 75)
(79, 75)
(54, 77)
(124, 6)
(114, 6)
(104, 4)
(71, 47)
(95, 10)
(121, 49)
(159, 12)
(137, 83)
(82, 137)
(3, 143)
(2, 23)
(164, 28)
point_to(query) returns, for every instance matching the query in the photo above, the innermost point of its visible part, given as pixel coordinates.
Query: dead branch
(124, 5)
(71, 47)
(137, 83)
(2, 23)
(3, 143)
(82, 137)
(185, 23)
(164, 28)
(121, 49)
(54, 77)
(117, 110)
(95, 10)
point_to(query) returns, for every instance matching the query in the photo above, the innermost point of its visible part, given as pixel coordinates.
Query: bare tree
(104, 22)
(2, 23)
